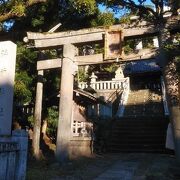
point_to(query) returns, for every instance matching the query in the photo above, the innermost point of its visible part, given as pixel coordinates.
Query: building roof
(141, 67)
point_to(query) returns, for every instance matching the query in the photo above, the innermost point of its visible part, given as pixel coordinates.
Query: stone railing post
(93, 80)
(124, 97)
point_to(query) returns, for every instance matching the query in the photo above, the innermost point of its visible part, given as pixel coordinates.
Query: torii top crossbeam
(59, 38)
(98, 34)
(43, 40)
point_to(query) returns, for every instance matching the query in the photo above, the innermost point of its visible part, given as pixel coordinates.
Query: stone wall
(80, 146)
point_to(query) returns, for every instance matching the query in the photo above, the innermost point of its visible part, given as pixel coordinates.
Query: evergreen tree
(10, 9)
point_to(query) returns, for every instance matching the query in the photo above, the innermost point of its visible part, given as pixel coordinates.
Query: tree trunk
(171, 82)
(172, 86)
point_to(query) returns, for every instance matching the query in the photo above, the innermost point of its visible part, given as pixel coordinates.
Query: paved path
(120, 171)
(126, 166)
(139, 167)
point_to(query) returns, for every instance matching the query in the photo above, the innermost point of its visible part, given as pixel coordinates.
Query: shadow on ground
(144, 166)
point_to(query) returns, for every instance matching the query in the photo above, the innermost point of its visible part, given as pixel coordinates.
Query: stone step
(137, 140)
(143, 150)
(140, 134)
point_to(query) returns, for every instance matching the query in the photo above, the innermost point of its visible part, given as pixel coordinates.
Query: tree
(10, 9)
(146, 11)
(40, 17)
(103, 19)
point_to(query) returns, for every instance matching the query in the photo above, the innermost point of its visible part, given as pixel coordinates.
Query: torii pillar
(65, 104)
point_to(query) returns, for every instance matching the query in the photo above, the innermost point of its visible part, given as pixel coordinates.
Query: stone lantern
(118, 74)
(93, 77)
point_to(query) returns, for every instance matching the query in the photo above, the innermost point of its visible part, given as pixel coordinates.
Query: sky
(119, 14)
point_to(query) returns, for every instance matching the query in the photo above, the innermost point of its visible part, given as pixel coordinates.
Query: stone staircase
(144, 102)
(143, 127)
(138, 134)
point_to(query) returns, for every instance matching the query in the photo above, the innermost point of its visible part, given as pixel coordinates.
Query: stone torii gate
(112, 37)
(67, 39)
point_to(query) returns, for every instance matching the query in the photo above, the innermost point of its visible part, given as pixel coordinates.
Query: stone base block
(80, 147)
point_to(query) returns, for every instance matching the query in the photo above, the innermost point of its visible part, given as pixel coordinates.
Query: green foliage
(82, 75)
(148, 42)
(26, 59)
(144, 8)
(103, 19)
(177, 61)
(87, 7)
(173, 45)
(31, 120)
(52, 120)
(129, 46)
(12, 9)
(25, 75)
(110, 68)
(125, 19)
(22, 93)
(40, 17)
(18, 9)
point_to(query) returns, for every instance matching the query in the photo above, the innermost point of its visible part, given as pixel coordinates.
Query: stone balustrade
(82, 129)
(104, 85)
(124, 97)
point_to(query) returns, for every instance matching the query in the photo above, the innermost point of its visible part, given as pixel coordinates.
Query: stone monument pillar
(7, 73)
(13, 145)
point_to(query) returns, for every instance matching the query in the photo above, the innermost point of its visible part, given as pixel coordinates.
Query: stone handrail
(104, 85)
(166, 110)
(124, 98)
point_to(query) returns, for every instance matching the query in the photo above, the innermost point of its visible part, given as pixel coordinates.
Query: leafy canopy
(15, 8)
(153, 13)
